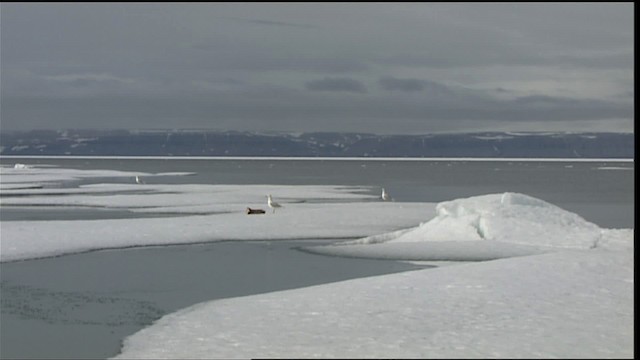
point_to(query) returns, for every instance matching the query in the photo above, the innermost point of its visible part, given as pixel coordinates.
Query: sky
(384, 68)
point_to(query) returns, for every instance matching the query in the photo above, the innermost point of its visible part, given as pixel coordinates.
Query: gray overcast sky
(365, 67)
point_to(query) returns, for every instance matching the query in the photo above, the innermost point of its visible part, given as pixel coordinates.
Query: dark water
(83, 305)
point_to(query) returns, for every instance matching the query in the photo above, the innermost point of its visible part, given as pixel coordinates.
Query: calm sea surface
(601, 192)
(83, 305)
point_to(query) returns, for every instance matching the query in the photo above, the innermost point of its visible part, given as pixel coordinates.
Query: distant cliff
(233, 143)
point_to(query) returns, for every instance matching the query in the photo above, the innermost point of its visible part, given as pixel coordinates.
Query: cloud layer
(378, 67)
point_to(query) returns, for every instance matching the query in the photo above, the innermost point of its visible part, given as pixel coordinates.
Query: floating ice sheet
(32, 239)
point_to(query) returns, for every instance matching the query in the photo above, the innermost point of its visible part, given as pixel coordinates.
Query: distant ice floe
(29, 176)
(493, 137)
(614, 168)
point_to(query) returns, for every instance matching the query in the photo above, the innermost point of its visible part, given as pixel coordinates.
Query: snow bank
(482, 228)
(509, 217)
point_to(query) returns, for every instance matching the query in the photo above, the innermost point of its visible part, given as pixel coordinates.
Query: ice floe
(311, 211)
(558, 285)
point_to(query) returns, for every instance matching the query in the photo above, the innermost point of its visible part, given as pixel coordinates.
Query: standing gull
(385, 195)
(272, 205)
(138, 180)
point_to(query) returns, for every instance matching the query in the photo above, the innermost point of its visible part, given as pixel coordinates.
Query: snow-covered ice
(32, 239)
(310, 212)
(562, 305)
(572, 296)
(558, 286)
(480, 228)
(25, 176)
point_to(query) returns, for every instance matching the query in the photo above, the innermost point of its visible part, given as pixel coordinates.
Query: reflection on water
(82, 306)
(74, 308)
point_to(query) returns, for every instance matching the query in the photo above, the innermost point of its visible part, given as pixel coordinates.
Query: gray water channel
(81, 306)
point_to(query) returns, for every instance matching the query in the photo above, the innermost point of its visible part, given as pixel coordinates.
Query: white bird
(385, 195)
(272, 205)
(138, 180)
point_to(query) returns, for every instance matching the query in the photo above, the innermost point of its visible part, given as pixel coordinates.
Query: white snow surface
(557, 287)
(484, 227)
(575, 300)
(33, 239)
(508, 217)
(576, 304)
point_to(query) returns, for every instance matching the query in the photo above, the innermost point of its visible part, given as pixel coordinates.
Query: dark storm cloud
(336, 84)
(280, 108)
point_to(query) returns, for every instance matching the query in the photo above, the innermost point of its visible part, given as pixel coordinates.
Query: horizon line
(308, 158)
